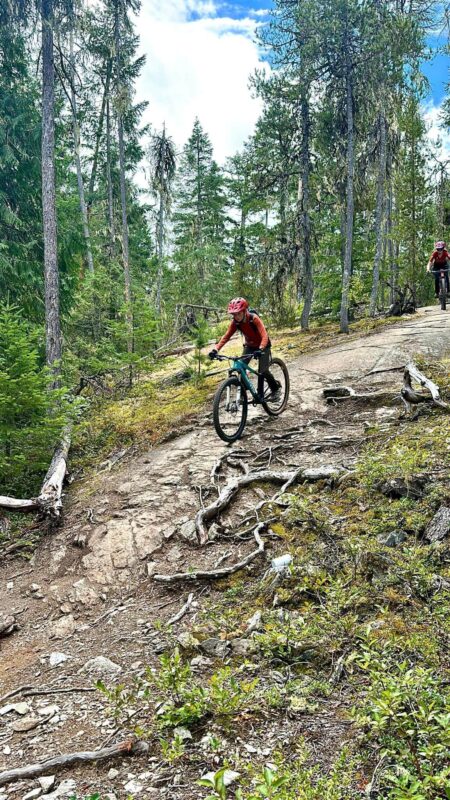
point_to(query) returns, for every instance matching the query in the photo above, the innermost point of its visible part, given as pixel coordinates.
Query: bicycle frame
(242, 368)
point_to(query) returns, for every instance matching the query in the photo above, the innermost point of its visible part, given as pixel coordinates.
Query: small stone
(65, 789)
(57, 658)
(200, 662)
(229, 776)
(187, 641)
(183, 733)
(66, 608)
(34, 793)
(169, 532)
(46, 782)
(63, 627)
(134, 787)
(392, 539)
(188, 531)
(35, 587)
(19, 708)
(242, 647)
(48, 711)
(113, 773)
(217, 648)
(10, 585)
(254, 623)
(26, 724)
(214, 531)
(101, 666)
(151, 568)
(439, 527)
(174, 554)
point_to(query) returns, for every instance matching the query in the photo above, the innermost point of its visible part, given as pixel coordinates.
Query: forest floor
(242, 698)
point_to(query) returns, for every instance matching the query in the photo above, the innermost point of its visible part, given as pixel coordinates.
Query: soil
(101, 599)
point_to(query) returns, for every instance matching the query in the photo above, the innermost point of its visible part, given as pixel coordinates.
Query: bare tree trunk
(98, 138)
(160, 253)
(51, 274)
(123, 197)
(349, 195)
(304, 222)
(77, 149)
(112, 227)
(381, 183)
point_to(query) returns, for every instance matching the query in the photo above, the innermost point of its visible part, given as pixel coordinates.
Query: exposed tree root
(127, 748)
(183, 610)
(218, 573)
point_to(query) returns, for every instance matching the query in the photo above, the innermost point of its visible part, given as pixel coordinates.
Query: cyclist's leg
(265, 373)
(436, 282)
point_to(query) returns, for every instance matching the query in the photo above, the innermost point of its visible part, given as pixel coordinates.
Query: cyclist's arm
(227, 335)
(430, 264)
(262, 332)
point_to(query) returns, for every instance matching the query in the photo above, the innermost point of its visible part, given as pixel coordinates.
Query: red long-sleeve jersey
(253, 330)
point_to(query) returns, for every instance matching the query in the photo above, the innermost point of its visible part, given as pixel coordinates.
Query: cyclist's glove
(258, 353)
(212, 354)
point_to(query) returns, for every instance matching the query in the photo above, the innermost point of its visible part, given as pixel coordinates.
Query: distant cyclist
(440, 258)
(256, 338)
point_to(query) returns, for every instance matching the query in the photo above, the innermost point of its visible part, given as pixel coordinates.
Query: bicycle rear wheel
(443, 293)
(274, 403)
(230, 410)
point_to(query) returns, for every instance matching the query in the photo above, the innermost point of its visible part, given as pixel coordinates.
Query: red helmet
(236, 305)
(439, 245)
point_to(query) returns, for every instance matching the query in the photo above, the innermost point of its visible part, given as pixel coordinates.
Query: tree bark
(379, 215)
(98, 135)
(51, 274)
(112, 227)
(349, 211)
(123, 191)
(304, 222)
(160, 252)
(77, 149)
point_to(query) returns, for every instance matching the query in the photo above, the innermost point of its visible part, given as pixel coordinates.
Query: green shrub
(31, 416)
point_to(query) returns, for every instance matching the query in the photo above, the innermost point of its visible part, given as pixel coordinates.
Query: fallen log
(127, 748)
(49, 500)
(196, 575)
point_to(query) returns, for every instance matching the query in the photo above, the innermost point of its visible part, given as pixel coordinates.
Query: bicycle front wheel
(230, 410)
(275, 400)
(443, 294)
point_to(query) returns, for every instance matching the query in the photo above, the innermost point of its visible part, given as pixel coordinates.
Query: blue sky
(200, 56)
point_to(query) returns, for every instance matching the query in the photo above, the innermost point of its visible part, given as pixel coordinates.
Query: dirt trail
(100, 600)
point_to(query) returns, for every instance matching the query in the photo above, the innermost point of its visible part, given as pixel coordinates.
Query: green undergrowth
(356, 635)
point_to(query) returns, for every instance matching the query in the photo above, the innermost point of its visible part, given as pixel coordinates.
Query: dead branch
(13, 504)
(127, 748)
(218, 573)
(410, 397)
(183, 610)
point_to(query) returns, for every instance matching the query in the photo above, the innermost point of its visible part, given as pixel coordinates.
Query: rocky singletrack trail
(89, 590)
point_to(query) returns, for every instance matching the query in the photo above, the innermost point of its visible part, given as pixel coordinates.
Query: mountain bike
(442, 286)
(231, 400)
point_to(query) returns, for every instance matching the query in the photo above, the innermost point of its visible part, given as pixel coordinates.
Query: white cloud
(198, 64)
(438, 136)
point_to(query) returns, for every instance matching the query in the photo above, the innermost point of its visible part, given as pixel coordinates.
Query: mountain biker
(256, 339)
(440, 258)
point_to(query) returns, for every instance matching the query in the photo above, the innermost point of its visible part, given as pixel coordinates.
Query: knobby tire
(232, 382)
(279, 410)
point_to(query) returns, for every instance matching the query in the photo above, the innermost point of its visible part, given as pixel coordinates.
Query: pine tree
(199, 223)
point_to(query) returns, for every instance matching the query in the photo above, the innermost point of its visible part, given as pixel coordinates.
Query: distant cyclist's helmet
(440, 245)
(237, 305)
